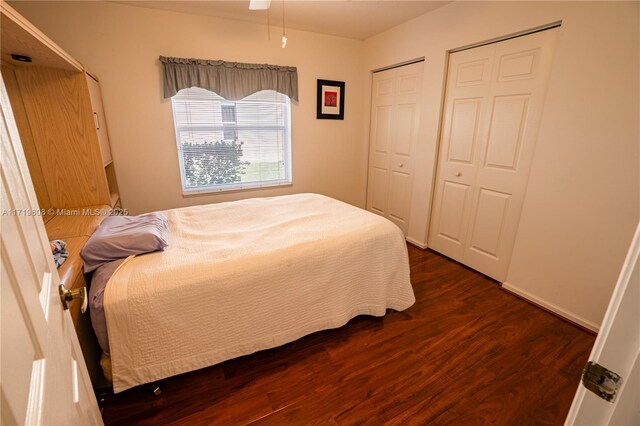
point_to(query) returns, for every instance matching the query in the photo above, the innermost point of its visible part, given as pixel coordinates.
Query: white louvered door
(395, 112)
(494, 100)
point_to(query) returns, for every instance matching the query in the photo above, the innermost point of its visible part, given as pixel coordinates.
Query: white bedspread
(249, 275)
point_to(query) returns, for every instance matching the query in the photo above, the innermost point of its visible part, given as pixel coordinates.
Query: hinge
(602, 382)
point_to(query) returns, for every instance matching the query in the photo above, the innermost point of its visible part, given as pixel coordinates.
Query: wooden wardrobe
(58, 108)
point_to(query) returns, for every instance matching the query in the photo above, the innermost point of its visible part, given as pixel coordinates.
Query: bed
(249, 275)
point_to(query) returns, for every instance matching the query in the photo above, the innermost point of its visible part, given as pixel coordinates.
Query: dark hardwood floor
(467, 352)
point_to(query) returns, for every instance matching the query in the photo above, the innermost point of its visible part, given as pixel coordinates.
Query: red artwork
(331, 99)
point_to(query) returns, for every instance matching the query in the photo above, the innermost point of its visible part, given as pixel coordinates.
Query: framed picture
(330, 100)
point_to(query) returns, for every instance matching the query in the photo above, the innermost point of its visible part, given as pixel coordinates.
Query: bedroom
(582, 200)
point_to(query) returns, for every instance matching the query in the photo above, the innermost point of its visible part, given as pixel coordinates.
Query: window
(229, 121)
(230, 145)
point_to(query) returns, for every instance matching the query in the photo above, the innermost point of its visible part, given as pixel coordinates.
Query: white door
(617, 348)
(494, 100)
(44, 378)
(395, 113)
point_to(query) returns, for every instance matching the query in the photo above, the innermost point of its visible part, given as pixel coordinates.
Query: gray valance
(231, 80)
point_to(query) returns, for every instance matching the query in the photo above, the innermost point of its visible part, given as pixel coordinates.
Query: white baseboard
(552, 307)
(416, 243)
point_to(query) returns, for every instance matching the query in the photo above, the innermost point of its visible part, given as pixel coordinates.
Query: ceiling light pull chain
(284, 34)
(268, 25)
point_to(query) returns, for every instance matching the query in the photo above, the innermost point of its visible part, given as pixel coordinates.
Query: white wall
(583, 199)
(121, 45)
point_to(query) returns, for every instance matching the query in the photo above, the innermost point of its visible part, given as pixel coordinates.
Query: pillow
(118, 237)
(96, 296)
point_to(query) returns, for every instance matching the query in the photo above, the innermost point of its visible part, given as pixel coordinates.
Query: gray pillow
(118, 237)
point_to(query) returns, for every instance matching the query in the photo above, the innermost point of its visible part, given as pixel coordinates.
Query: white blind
(232, 144)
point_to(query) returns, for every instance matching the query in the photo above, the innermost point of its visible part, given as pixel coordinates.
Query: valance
(231, 80)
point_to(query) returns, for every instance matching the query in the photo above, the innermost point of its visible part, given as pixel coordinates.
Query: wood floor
(467, 352)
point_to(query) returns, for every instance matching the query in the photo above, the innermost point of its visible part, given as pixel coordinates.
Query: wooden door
(98, 117)
(494, 100)
(395, 112)
(44, 378)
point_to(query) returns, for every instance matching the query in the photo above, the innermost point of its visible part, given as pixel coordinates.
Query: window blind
(226, 145)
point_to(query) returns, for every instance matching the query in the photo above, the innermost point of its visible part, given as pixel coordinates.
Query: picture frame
(330, 101)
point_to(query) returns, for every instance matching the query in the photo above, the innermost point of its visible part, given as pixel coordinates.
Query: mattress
(250, 275)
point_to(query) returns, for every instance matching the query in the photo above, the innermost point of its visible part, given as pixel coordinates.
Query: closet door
(494, 100)
(395, 111)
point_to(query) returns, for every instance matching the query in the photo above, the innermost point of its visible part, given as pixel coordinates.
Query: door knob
(67, 296)
(400, 165)
(458, 174)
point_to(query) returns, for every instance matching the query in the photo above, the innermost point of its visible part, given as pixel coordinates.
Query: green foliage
(213, 163)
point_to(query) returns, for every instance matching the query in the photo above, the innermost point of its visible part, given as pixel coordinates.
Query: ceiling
(358, 19)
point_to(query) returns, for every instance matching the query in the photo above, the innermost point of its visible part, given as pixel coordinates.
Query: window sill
(187, 193)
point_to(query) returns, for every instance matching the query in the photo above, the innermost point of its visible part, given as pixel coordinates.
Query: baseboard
(416, 243)
(579, 321)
